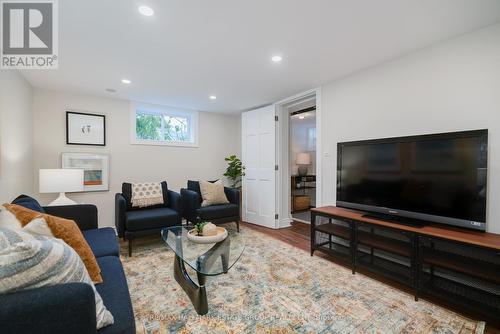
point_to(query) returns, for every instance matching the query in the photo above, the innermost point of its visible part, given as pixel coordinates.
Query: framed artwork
(85, 129)
(95, 169)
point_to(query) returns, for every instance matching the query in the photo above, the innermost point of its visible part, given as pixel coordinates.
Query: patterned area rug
(277, 288)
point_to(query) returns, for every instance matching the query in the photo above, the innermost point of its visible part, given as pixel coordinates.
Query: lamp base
(302, 170)
(62, 200)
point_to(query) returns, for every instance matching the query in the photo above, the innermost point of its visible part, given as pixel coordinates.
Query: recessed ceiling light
(146, 11)
(126, 81)
(302, 117)
(277, 59)
(212, 97)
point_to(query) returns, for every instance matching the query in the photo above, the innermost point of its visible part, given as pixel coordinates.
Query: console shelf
(381, 266)
(383, 243)
(464, 265)
(337, 230)
(475, 300)
(459, 266)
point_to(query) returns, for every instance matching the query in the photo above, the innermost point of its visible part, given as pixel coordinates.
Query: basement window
(157, 125)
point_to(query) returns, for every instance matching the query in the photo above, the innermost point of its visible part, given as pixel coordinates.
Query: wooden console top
(488, 240)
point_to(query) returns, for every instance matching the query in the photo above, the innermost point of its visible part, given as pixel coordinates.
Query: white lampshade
(60, 180)
(303, 159)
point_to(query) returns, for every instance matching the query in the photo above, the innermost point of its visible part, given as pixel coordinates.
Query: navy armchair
(133, 222)
(193, 212)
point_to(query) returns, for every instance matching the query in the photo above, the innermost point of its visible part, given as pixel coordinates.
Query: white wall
(219, 136)
(16, 136)
(449, 87)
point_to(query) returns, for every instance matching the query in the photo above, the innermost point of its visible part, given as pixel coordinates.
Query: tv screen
(437, 178)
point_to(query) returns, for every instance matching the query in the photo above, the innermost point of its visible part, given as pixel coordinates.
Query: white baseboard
(302, 221)
(285, 222)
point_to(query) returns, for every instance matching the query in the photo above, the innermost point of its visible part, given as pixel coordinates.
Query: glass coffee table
(205, 259)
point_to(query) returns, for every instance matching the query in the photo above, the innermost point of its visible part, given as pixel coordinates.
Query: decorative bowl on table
(221, 234)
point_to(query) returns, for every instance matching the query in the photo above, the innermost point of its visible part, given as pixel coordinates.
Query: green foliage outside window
(162, 127)
(148, 126)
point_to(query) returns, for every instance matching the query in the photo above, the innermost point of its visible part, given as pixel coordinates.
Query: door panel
(259, 159)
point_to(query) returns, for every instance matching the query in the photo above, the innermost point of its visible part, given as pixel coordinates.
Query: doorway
(269, 164)
(302, 153)
(297, 147)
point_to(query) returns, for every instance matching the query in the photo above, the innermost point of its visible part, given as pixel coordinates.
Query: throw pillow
(30, 221)
(28, 202)
(29, 262)
(212, 193)
(147, 194)
(127, 193)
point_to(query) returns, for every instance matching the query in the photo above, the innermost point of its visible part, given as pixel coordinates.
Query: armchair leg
(238, 226)
(130, 247)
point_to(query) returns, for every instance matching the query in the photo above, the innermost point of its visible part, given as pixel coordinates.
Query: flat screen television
(438, 178)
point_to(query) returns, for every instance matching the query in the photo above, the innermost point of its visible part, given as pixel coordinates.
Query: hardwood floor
(298, 235)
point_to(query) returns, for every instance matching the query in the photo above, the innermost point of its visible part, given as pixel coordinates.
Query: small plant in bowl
(199, 228)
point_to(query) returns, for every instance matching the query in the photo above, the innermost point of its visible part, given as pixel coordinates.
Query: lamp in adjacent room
(61, 181)
(303, 160)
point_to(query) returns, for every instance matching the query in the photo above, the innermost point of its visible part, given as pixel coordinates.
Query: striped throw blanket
(28, 262)
(146, 194)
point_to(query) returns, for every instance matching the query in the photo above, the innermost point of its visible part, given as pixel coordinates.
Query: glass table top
(207, 259)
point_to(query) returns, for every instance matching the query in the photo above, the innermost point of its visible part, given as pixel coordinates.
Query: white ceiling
(191, 49)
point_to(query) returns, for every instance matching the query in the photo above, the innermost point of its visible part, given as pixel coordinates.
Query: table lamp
(61, 181)
(303, 160)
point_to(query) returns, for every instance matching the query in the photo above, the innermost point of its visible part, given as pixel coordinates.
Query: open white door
(259, 160)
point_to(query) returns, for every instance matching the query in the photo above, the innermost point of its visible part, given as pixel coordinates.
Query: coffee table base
(195, 292)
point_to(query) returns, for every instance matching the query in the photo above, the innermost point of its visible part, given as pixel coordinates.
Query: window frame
(163, 110)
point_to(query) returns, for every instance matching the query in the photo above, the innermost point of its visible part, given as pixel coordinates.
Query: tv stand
(458, 266)
(396, 219)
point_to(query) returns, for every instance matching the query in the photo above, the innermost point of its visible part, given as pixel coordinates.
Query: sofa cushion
(151, 218)
(45, 310)
(29, 203)
(102, 241)
(115, 295)
(127, 193)
(56, 227)
(42, 261)
(219, 211)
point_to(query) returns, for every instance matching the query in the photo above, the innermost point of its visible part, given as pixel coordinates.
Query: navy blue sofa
(193, 212)
(70, 308)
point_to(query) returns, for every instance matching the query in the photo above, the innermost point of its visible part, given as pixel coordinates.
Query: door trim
(283, 155)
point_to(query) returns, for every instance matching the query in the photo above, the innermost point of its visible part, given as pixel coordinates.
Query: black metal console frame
(416, 253)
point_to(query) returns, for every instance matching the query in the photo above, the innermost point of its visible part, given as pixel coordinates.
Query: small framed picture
(85, 129)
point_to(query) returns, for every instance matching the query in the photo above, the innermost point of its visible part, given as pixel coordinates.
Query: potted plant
(199, 228)
(234, 171)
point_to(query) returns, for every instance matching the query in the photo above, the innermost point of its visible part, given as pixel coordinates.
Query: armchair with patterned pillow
(137, 221)
(194, 212)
